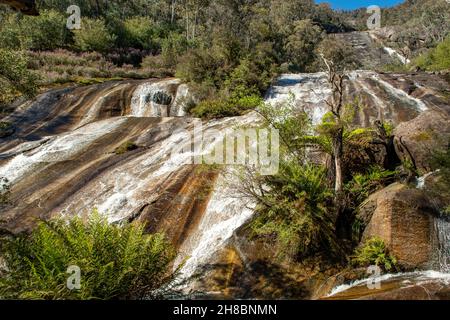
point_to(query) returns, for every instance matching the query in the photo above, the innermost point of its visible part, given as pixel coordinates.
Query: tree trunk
(172, 17)
(338, 152)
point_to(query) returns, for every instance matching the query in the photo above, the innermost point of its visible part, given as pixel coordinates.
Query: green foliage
(115, 261)
(374, 252)
(302, 43)
(295, 211)
(139, 32)
(294, 127)
(15, 79)
(338, 51)
(364, 184)
(436, 59)
(441, 186)
(5, 191)
(93, 36)
(125, 147)
(46, 32)
(219, 108)
(202, 66)
(173, 47)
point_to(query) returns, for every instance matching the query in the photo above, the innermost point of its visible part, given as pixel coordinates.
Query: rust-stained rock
(403, 218)
(416, 140)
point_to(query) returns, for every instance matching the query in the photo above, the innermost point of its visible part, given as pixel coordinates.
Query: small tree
(302, 43)
(15, 79)
(94, 36)
(336, 80)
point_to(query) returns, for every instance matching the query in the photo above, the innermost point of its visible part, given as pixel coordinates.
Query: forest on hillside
(229, 50)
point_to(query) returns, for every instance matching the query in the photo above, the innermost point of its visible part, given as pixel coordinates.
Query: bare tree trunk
(172, 17)
(338, 153)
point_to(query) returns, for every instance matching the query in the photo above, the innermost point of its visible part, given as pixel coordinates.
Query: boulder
(404, 218)
(416, 140)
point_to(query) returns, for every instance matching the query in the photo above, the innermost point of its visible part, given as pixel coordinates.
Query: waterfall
(224, 215)
(394, 53)
(72, 169)
(309, 91)
(442, 228)
(397, 280)
(166, 98)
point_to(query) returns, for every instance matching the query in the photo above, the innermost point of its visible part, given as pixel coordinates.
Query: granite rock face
(403, 218)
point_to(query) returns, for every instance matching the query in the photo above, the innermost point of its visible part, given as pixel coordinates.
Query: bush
(45, 32)
(139, 32)
(295, 213)
(93, 36)
(301, 44)
(223, 107)
(115, 261)
(173, 47)
(202, 66)
(5, 190)
(436, 59)
(126, 147)
(374, 252)
(15, 79)
(364, 184)
(338, 51)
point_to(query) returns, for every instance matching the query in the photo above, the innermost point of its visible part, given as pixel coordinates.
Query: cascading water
(74, 168)
(160, 99)
(442, 228)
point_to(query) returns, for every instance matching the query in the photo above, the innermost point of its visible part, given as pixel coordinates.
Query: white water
(56, 149)
(223, 216)
(308, 90)
(394, 53)
(442, 227)
(119, 192)
(400, 94)
(410, 277)
(142, 104)
(422, 180)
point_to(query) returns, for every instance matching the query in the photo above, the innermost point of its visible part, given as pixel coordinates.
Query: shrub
(15, 79)
(46, 32)
(436, 59)
(93, 36)
(202, 66)
(294, 212)
(139, 33)
(210, 109)
(173, 47)
(364, 184)
(115, 261)
(126, 147)
(374, 252)
(5, 190)
(301, 44)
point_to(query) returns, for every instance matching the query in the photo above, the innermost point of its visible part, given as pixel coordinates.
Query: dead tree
(336, 103)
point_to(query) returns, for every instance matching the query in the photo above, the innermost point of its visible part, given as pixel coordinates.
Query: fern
(115, 261)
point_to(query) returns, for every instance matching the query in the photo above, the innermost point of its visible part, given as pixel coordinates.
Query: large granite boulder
(404, 218)
(416, 140)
